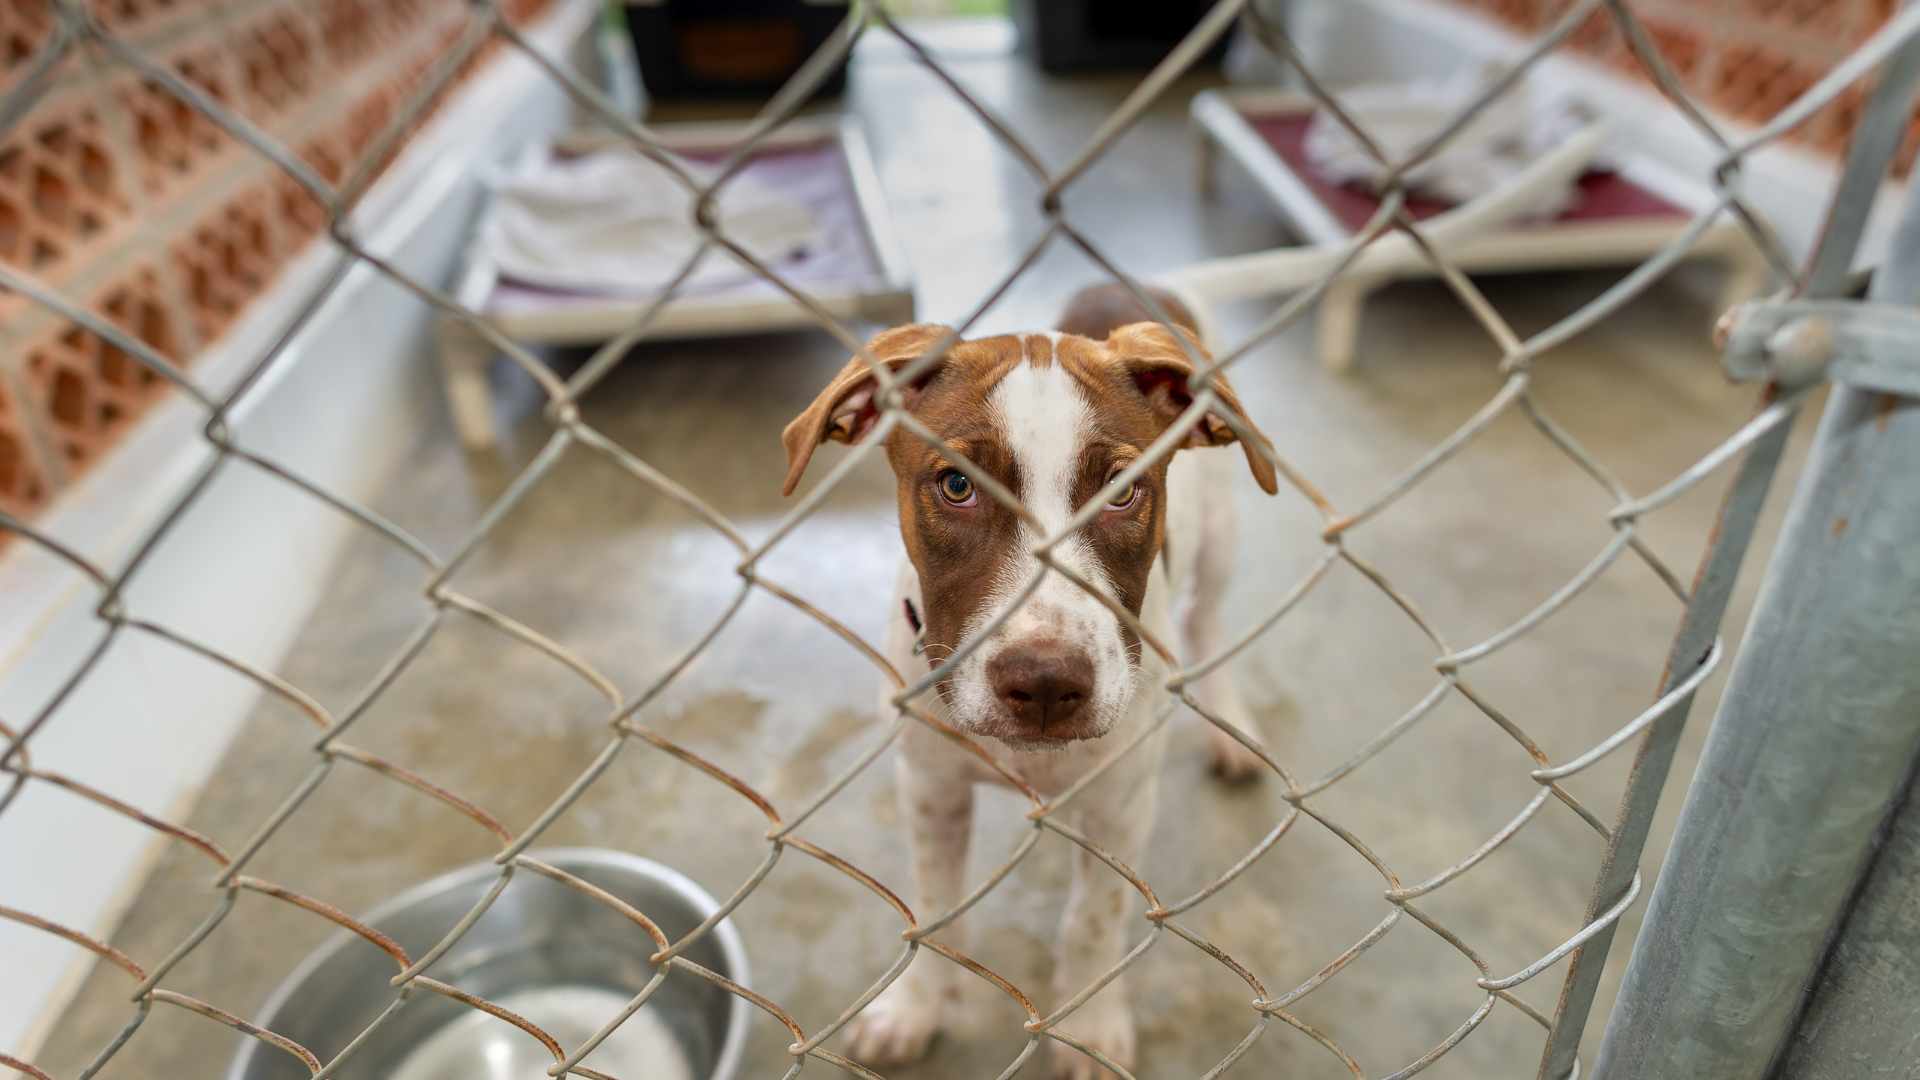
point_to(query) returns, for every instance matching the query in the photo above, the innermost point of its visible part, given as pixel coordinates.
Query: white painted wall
(1357, 41)
(244, 565)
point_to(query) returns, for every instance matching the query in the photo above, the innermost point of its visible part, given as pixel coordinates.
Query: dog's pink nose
(1042, 686)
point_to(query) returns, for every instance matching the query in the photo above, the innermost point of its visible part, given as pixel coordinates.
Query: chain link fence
(1696, 651)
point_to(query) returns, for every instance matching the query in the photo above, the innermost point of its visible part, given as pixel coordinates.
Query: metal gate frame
(1808, 766)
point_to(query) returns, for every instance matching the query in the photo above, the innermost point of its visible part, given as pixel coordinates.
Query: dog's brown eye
(1125, 498)
(958, 490)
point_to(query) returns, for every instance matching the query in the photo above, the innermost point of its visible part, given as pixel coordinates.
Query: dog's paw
(1229, 758)
(1107, 1028)
(896, 1027)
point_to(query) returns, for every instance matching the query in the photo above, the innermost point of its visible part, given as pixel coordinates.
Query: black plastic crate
(730, 48)
(1096, 35)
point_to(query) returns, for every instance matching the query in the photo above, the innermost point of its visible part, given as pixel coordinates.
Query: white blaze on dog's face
(1057, 668)
(1053, 418)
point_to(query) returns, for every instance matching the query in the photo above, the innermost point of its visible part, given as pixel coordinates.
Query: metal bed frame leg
(1337, 334)
(1205, 162)
(464, 359)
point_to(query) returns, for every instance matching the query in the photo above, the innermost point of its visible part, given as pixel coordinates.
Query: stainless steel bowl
(565, 960)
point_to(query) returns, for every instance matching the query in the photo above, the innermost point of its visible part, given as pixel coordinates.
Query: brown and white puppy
(1063, 682)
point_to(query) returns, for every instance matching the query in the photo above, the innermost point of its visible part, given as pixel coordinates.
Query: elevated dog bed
(856, 269)
(1619, 217)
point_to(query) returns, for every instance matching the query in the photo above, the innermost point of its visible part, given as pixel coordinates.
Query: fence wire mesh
(74, 27)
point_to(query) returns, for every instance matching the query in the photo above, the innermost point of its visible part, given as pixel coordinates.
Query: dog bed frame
(860, 275)
(1621, 218)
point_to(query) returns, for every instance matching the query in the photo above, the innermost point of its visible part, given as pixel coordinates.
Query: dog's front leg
(1095, 928)
(938, 807)
(1204, 633)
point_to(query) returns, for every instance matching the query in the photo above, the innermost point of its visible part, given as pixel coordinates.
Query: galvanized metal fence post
(1880, 132)
(1822, 711)
(1861, 1014)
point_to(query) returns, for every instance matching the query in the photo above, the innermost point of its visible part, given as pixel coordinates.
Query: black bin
(730, 48)
(1096, 35)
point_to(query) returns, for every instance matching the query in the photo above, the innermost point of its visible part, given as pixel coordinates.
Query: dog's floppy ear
(1148, 351)
(845, 411)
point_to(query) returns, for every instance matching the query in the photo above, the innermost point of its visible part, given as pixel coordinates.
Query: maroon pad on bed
(1603, 195)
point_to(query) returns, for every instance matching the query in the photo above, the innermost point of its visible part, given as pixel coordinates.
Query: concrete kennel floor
(625, 577)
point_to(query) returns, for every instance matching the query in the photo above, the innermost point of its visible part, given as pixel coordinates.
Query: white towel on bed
(614, 221)
(1500, 141)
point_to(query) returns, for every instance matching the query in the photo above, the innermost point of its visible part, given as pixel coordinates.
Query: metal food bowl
(545, 951)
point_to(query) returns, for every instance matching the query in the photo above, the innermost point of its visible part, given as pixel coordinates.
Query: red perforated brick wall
(127, 16)
(24, 27)
(1745, 59)
(231, 255)
(87, 391)
(61, 194)
(23, 480)
(123, 197)
(174, 144)
(278, 58)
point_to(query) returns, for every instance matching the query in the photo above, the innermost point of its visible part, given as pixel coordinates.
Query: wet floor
(627, 578)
